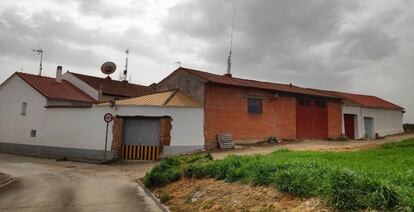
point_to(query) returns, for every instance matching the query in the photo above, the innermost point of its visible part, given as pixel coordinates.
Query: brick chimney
(59, 74)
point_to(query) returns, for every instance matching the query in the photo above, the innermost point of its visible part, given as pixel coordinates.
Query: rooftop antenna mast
(40, 52)
(126, 64)
(228, 73)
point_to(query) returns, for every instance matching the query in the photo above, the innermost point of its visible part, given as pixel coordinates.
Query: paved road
(47, 185)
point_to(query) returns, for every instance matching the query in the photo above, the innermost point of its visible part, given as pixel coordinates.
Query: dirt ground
(216, 195)
(311, 145)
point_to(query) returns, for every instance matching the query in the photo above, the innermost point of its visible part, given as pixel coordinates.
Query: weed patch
(380, 179)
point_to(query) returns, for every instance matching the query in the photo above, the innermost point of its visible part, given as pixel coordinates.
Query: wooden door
(349, 126)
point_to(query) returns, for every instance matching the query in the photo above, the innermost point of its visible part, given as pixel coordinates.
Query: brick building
(252, 110)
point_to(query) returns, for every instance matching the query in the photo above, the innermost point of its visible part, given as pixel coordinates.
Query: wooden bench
(225, 141)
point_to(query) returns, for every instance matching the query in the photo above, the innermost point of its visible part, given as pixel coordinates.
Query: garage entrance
(311, 118)
(349, 122)
(141, 138)
(369, 127)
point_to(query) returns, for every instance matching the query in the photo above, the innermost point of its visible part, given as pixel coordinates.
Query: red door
(311, 120)
(349, 126)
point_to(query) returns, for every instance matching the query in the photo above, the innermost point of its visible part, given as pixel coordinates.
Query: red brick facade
(334, 119)
(225, 111)
(117, 133)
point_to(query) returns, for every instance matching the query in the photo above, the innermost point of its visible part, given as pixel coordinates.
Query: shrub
(159, 177)
(170, 169)
(165, 198)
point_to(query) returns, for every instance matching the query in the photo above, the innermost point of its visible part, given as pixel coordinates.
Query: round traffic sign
(108, 117)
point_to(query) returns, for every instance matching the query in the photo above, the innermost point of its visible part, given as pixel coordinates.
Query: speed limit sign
(108, 117)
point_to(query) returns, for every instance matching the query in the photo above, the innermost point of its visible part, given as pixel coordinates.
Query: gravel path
(311, 145)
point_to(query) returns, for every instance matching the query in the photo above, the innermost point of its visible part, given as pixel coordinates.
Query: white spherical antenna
(108, 68)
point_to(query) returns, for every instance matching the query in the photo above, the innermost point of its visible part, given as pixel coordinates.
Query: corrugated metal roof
(170, 98)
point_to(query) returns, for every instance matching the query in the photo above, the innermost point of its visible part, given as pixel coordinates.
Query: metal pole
(106, 139)
(41, 60)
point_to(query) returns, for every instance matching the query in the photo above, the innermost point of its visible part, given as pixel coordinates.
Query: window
(32, 133)
(24, 109)
(304, 102)
(254, 105)
(320, 103)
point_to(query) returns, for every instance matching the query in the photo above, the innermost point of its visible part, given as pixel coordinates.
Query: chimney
(59, 74)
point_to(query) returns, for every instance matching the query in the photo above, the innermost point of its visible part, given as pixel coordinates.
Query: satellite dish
(108, 68)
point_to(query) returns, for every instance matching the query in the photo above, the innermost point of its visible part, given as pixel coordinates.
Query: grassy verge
(380, 178)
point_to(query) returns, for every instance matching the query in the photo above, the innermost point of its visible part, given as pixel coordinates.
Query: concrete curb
(153, 197)
(9, 180)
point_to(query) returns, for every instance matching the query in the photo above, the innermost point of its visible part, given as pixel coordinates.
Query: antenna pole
(40, 51)
(126, 64)
(231, 44)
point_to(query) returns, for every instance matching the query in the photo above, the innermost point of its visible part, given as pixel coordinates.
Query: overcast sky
(364, 46)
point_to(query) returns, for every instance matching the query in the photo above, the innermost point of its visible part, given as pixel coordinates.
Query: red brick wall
(117, 133)
(165, 129)
(334, 119)
(225, 111)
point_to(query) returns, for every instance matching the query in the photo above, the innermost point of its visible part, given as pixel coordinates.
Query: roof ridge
(251, 80)
(34, 75)
(173, 92)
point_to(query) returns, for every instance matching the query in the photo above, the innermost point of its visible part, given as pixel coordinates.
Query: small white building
(370, 117)
(52, 117)
(365, 116)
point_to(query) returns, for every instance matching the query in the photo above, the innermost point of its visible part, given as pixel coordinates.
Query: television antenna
(126, 65)
(40, 52)
(231, 45)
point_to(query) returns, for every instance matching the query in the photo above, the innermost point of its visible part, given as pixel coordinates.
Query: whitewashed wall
(81, 128)
(187, 123)
(386, 122)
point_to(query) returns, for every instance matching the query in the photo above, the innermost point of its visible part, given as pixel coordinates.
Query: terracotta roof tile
(363, 100)
(51, 89)
(114, 87)
(370, 101)
(219, 79)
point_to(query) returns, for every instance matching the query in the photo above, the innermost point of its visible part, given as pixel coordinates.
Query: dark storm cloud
(281, 39)
(21, 35)
(60, 39)
(358, 46)
(274, 29)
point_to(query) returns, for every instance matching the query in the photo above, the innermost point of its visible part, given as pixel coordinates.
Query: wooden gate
(140, 152)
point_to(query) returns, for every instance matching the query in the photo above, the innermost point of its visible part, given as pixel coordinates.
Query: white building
(370, 116)
(52, 117)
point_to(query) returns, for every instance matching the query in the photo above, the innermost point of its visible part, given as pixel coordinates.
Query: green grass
(381, 178)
